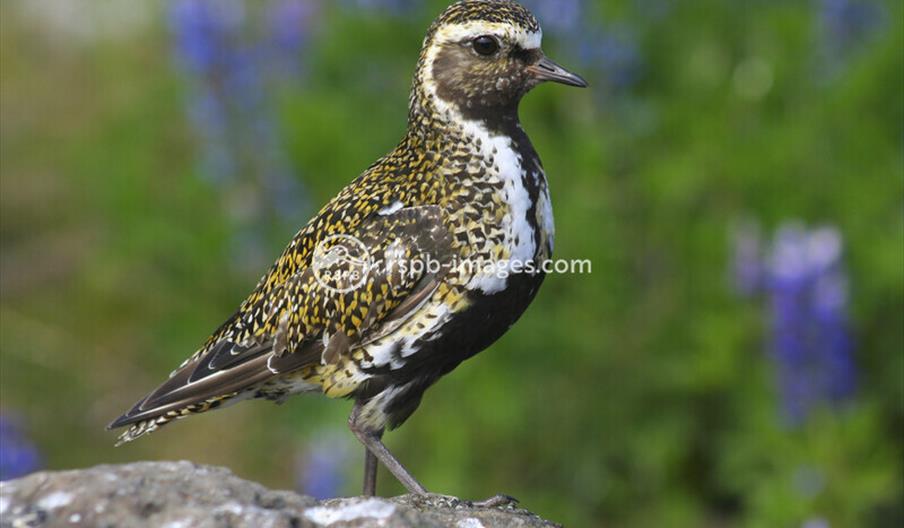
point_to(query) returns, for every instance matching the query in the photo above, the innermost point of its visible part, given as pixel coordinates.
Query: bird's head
(481, 56)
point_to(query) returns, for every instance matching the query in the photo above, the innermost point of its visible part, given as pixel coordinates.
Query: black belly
(486, 319)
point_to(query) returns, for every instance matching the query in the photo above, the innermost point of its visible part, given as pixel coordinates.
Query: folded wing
(317, 315)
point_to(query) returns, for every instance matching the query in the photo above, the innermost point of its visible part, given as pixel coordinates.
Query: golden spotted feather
(295, 320)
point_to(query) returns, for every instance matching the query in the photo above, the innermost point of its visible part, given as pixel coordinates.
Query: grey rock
(186, 495)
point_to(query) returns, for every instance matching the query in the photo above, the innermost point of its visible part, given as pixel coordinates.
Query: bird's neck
(465, 147)
(438, 121)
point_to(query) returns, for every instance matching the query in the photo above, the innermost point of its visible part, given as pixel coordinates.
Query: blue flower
(288, 26)
(201, 30)
(558, 16)
(846, 25)
(18, 455)
(319, 468)
(806, 286)
(847, 22)
(231, 76)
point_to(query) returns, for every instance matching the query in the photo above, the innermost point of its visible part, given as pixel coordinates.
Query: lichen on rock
(186, 495)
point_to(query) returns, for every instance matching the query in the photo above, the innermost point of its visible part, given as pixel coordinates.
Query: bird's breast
(501, 214)
(500, 218)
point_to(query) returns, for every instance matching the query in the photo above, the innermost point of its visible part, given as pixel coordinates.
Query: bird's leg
(373, 444)
(371, 440)
(376, 450)
(370, 473)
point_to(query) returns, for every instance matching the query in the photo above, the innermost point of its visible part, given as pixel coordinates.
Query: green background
(638, 395)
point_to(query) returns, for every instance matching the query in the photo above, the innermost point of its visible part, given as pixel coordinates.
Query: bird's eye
(485, 45)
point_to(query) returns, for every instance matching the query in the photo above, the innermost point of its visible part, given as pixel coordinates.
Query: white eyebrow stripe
(528, 40)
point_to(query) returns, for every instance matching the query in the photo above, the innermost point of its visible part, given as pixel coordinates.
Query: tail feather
(145, 427)
(198, 387)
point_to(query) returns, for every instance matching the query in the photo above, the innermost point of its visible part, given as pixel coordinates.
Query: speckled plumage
(463, 185)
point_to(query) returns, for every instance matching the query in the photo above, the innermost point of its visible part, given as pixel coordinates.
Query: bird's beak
(547, 70)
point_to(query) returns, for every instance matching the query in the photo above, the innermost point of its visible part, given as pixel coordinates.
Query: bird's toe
(496, 501)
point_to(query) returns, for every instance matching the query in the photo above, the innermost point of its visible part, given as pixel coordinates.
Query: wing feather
(237, 362)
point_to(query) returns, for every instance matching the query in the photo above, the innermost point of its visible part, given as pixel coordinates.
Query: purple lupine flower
(845, 26)
(806, 286)
(201, 29)
(558, 16)
(828, 312)
(847, 22)
(788, 279)
(18, 455)
(203, 34)
(320, 467)
(229, 107)
(288, 23)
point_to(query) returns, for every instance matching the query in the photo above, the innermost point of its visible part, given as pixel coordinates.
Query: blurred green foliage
(638, 395)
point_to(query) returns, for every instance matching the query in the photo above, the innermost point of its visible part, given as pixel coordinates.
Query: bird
(422, 261)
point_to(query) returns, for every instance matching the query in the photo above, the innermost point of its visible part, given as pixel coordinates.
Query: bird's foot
(434, 500)
(496, 501)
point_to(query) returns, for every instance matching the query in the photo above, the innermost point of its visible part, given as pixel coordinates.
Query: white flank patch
(470, 522)
(440, 315)
(382, 399)
(381, 351)
(55, 500)
(368, 509)
(406, 336)
(4, 505)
